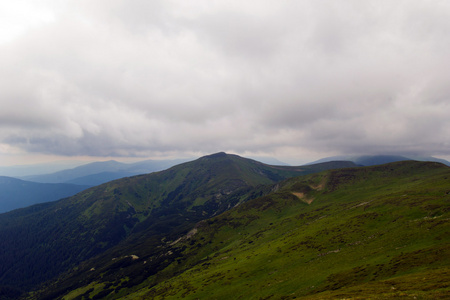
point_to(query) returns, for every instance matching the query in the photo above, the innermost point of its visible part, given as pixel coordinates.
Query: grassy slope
(134, 212)
(371, 232)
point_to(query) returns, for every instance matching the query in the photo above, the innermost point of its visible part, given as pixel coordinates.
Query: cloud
(114, 78)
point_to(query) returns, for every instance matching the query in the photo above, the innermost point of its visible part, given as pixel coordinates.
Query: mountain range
(57, 236)
(100, 172)
(39, 188)
(96, 173)
(16, 193)
(372, 160)
(223, 226)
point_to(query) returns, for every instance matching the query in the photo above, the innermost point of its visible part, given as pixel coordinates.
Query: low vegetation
(375, 232)
(130, 216)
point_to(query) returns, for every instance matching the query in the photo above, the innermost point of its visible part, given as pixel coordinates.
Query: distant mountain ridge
(84, 176)
(18, 171)
(100, 172)
(16, 193)
(372, 160)
(28, 190)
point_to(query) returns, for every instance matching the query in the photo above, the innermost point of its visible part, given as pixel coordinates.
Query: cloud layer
(290, 78)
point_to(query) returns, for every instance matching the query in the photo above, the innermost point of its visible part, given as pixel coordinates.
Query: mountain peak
(216, 155)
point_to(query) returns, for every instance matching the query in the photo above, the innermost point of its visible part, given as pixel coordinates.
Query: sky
(296, 80)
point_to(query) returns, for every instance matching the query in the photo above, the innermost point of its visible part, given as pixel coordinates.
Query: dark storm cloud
(119, 78)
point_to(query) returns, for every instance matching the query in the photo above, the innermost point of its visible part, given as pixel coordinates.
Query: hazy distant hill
(36, 169)
(372, 160)
(428, 158)
(269, 160)
(100, 172)
(16, 193)
(55, 237)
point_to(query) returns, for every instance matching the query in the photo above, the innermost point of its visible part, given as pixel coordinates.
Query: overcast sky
(296, 80)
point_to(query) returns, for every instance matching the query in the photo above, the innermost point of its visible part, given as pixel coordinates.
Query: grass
(361, 232)
(365, 232)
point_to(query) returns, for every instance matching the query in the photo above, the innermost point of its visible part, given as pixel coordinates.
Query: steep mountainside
(16, 193)
(55, 237)
(374, 232)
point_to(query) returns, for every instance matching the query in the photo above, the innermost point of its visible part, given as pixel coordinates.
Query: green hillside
(374, 232)
(42, 241)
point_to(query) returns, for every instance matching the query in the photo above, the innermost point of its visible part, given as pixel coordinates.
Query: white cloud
(285, 78)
